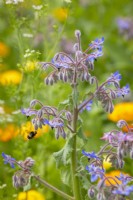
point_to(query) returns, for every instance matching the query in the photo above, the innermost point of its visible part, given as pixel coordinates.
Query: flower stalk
(54, 189)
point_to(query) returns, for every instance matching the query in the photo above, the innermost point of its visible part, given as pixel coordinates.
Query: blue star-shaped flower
(8, 159)
(95, 172)
(90, 155)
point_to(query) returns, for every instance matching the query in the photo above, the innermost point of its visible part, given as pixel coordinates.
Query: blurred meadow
(33, 31)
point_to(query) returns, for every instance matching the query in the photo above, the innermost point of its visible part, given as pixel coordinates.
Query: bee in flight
(31, 134)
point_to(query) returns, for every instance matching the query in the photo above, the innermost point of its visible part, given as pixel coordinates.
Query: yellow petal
(10, 77)
(30, 195)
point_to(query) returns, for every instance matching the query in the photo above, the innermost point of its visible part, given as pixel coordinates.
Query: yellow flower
(113, 180)
(30, 195)
(8, 132)
(30, 66)
(4, 50)
(106, 163)
(61, 14)
(10, 77)
(122, 111)
(28, 127)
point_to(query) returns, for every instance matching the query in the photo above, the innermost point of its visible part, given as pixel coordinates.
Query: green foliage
(95, 18)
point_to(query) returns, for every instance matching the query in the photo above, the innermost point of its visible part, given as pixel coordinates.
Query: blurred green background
(32, 31)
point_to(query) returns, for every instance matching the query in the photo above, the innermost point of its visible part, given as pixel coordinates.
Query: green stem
(75, 179)
(54, 189)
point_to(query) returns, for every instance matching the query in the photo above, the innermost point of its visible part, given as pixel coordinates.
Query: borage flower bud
(121, 163)
(61, 76)
(76, 47)
(77, 33)
(91, 192)
(47, 81)
(65, 77)
(68, 116)
(99, 196)
(39, 113)
(87, 76)
(121, 123)
(20, 179)
(33, 102)
(79, 55)
(113, 94)
(120, 152)
(92, 80)
(100, 184)
(108, 106)
(90, 65)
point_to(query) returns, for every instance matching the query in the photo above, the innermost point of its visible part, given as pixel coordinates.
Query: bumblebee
(32, 134)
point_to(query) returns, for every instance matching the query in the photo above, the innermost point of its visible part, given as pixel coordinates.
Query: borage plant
(66, 123)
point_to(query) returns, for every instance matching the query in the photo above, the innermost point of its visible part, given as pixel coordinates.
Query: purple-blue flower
(28, 111)
(96, 43)
(123, 91)
(124, 179)
(95, 172)
(61, 61)
(8, 159)
(116, 77)
(93, 56)
(90, 154)
(123, 24)
(88, 106)
(123, 190)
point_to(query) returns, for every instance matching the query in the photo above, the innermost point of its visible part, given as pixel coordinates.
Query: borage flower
(115, 79)
(90, 155)
(123, 91)
(87, 107)
(8, 159)
(97, 43)
(95, 172)
(124, 178)
(123, 190)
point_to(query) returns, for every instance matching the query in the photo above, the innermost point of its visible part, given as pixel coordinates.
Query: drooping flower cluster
(118, 147)
(66, 68)
(22, 176)
(110, 90)
(48, 115)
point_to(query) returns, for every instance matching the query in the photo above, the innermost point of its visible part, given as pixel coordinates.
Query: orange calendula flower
(4, 50)
(113, 180)
(122, 111)
(30, 195)
(10, 77)
(28, 127)
(125, 129)
(61, 14)
(8, 132)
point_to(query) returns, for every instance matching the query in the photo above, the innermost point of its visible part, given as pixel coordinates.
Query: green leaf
(66, 175)
(62, 157)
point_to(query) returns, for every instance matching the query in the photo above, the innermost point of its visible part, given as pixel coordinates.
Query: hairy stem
(75, 179)
(54, 189)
